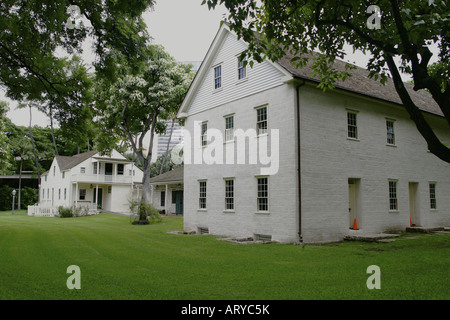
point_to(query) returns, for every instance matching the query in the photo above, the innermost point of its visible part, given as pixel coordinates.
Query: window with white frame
(202, 195)
(82, 195)
(218, 77)
(390, 135)
(261, 120)
(162, 201)
(120, 169)
(59, 194)
(229, 194)
(203, 135)
(263, 194)
(82, 170)
(242, 69)
(65, 193)
(432, 188)
(229, 128)
(352, 128)
(393, 202)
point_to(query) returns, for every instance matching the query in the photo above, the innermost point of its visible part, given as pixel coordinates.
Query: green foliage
(145, 211)
(69, 212)
(4, 146)
(28, 196)
(65, 212)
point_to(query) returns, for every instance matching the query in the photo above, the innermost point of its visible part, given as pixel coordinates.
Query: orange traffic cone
(355, 226)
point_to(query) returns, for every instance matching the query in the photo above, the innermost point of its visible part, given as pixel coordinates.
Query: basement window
(263, 237)
(203, 230)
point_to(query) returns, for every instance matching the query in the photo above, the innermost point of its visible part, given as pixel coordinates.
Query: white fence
(42, 211)
(39, 211)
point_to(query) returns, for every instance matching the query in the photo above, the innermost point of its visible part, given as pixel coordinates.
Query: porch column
(76, 194)
(166, 197)
(96, 197)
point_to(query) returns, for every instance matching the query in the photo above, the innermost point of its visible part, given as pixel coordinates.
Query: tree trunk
(435, 146)
(35, 159)
(163, 164)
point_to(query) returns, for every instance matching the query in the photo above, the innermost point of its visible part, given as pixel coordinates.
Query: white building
(91, 180)
(344, 159)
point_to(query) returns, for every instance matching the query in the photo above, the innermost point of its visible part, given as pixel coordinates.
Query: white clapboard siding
(259, 78)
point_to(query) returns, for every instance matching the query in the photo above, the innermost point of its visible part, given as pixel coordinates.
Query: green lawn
(123, 261)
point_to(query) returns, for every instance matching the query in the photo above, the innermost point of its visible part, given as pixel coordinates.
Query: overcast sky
(184, 27)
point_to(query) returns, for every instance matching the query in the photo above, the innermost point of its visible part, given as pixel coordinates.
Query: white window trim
(266, 106)
(355, 112)
(237, 70)
(393, 133)
(214, 77)
(268, 195)
(435, 195)
(225, 131)
(206, 195)
(203, 135)
(396, 195)
(225, 195)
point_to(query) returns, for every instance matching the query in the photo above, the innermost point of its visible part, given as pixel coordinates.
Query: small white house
(90, 180)
(268, 155)
(167, 191)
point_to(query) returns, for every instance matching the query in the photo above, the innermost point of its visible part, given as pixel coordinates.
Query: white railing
(46, 211)
(101, 178)
(38, 211)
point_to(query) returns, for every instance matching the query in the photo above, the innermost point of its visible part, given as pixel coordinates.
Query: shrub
(145, 211)
(65, 212)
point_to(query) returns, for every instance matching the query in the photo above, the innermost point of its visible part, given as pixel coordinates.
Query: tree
(4, 146)
(39, 47)
(132, 108)
(406, 30)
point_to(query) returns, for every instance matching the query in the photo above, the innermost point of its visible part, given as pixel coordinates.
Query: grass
(123, 261)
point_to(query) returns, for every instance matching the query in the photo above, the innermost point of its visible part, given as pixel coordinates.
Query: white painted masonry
(331, 164)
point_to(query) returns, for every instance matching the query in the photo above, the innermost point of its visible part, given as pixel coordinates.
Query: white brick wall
(329, 159)
(281, 221)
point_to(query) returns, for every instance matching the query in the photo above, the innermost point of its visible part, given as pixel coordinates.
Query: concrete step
(424, 229)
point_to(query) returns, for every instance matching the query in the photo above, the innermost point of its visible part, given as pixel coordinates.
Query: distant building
(89, 180)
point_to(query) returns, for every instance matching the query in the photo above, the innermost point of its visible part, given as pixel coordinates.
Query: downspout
(300, 236)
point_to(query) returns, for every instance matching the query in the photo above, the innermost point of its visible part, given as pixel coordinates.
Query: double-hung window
(261, 120)
(203, 136)
(202, 195)
(229, 128)
(218, 77)
(352, 128)
(229, 194)
(390, 135)
(393, 202)
(242, 69)
(263, 194)
(432, 188)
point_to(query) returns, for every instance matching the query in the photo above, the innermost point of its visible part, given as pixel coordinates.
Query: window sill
(262, 213)
(239, 81)
(217, 90)
(353, 139)
(391, 145)
(229, 211)
(394, 211)
(202, 210)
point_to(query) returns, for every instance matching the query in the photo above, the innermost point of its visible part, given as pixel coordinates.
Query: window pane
(263, 194)
(261, 120)
(352, 128)
(217, 77)
(229, 194)
(390, 132)
(393, 195)
(432, 196)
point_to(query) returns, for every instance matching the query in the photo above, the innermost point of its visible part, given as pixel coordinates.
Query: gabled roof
(172, 176)
(66, 163)
(359, 82)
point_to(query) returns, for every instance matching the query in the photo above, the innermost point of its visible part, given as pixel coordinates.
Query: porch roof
(173, 176)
